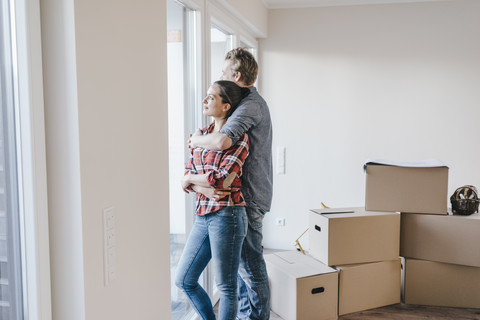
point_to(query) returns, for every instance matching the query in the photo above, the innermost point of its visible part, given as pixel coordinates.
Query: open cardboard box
(301, 287)
(353, 235)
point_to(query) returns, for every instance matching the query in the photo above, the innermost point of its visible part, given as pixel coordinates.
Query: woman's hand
(212, 193)
(217, 194)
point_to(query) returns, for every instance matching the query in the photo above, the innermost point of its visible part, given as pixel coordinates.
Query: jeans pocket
(245, 225)
(255, 217)
(225, 212)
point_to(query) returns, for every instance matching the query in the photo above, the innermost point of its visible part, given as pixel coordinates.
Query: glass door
(187, 80)
(11, 268)
(220, 43)
(251, 49)
(184, 116)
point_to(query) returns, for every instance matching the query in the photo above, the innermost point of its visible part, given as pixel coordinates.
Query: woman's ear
(226, 107)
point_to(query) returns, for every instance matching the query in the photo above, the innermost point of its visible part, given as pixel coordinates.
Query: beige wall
(254, 14)
(350, 83)
(106, 119)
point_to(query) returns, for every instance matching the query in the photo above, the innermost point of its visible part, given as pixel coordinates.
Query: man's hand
(212, 193)
(213, 141)
(191, 141)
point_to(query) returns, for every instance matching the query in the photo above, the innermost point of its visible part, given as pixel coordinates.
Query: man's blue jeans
(253, 288)
(217, 236)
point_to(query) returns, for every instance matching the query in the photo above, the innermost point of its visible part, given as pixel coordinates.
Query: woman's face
(212, 104)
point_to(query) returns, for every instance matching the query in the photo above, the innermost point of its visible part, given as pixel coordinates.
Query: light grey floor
(274, 316)
(180, 306)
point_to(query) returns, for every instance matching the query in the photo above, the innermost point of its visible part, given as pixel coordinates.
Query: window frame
(194, 41)
(31, 161)
(219, 14)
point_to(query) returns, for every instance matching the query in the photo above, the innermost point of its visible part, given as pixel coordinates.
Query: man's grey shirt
(253, 117)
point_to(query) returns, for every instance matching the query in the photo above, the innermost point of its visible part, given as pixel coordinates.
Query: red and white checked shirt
(218, 165)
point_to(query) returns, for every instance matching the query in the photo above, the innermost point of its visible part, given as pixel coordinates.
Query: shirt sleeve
(232, 161)
(247, 115)
(190, 167)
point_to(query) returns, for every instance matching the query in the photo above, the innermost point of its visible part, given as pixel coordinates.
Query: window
(11, 295)
(24, 251)
(251, 49)
(195, 60)
(184, 116)
(220, 43)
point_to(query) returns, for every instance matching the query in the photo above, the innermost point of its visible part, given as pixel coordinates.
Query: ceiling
(274, 4)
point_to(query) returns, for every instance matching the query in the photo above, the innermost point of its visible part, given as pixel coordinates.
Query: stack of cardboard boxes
(442, 257)
(361, 247)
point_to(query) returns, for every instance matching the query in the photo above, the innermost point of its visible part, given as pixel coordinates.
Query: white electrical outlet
(281, 222)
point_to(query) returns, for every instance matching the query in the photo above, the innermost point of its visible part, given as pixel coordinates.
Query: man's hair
(244, 62)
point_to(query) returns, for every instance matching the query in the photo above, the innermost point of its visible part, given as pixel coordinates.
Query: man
(252, 116)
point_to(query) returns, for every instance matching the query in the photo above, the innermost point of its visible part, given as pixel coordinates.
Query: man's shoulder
(253, 100)
(248, 105)
(249, 114)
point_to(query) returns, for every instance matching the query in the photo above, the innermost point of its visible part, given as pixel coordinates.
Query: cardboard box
(353, 235)
(302, 287)
(449, 239)
(441, 284)
(369, 285)
(418, 187)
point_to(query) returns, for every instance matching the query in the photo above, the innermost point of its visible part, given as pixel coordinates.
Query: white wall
(345, 84)
(254, 13)
(106, 119)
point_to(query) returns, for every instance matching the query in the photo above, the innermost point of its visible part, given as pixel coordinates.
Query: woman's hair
(244, 62)
(231, 93)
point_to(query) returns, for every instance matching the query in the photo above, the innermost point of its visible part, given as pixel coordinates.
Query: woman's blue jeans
(217, 236)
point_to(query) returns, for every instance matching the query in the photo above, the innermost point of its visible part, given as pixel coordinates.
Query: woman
(220, 224)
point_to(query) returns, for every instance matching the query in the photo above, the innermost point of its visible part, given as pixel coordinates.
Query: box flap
(332, 213)
(336, 210)
(297, 264)
(432, 163)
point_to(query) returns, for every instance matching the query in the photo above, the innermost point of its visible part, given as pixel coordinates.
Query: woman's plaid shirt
(217, 165)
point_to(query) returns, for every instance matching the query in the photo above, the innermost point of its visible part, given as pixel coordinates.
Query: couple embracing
(230, 169)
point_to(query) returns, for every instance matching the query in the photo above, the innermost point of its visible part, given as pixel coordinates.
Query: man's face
(227, 72)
